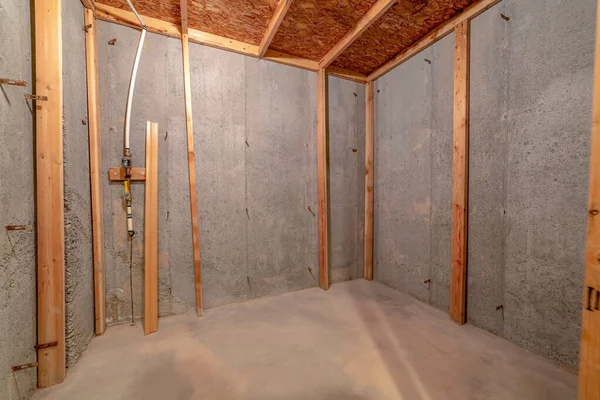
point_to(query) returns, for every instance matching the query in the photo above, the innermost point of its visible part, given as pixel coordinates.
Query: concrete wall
(256, 171)
(531, 81)
(79, 271)
(17, 248)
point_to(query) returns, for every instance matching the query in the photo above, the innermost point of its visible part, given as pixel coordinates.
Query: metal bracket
(88, 26)
(19, 227)
(35, 97)
(25, 366)
(45, 345)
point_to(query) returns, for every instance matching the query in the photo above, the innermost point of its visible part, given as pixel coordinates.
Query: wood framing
(367, 20)
(322, 165)
(91, 54)
(117, 174)
(369, 153)
(460, 162)
(191, 158)
(432, 37)
(151, 231)
(589, 360)
(49, 193)
(282, 8)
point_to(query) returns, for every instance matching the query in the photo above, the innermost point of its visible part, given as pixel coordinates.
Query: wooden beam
(191, 158)
(151, 231)
(127, 18)
(91, 54)
(49, 193)
(282, 8)
(432, 37)
(369, 152)
(118, 174)
(589, 359)
(458, 285)
(322, 165)
(376, 11)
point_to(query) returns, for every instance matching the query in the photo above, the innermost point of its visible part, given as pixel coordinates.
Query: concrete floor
(359, 340)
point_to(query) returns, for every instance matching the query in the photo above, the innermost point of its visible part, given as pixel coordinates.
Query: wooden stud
(346, 74)
(282, 8)
(151, 231)
(589, 359)
(376, 11)
(432, 37)
(12, 82)
(322, 161)
(458, 284)
(191, 158)
(369, 152)
(118, 174)
(91, 53)
(49, 194)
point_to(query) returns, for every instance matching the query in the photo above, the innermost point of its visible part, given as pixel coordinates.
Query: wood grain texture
(91, 53)
(49, 193)
(191, 165)
(363, 23)
(312, 27)
(323, 167)
(589, 361)
(151, 231)
(369, 154)
(276, 20)
(460, 161)
(432, 37)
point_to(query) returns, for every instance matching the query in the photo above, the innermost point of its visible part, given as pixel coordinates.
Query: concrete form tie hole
(501, 308)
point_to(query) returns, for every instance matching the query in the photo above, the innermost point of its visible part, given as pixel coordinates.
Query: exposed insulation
(401, 26)
(242, 20)
(312, 27)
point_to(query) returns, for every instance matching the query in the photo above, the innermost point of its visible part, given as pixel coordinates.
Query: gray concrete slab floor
(359, 340)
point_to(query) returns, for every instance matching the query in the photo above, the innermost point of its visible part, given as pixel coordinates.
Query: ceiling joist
(280, 12)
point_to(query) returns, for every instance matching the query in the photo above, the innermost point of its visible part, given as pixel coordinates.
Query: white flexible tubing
(132, 86)
(136, 14)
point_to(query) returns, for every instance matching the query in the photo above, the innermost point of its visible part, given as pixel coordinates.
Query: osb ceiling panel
(401, 26)
(312, 27)
(243, 20)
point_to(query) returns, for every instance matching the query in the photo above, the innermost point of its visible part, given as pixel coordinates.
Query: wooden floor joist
(369, 200)
(151, 231)
(191, 157)
(49, 193)
(91, 53)
(322, 165)
(589, 359)
(458, 284)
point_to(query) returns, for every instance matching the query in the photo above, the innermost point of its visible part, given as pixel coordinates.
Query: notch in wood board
(118, 174)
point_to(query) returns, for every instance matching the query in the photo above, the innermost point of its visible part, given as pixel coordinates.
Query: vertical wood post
(50, 195)
(91, 53)
(460, 174)
(589, 364)
(322, 164)
(191, 158)
(151, 231)
(369, 152)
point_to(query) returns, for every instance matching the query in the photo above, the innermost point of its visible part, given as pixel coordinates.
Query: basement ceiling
(311, 27)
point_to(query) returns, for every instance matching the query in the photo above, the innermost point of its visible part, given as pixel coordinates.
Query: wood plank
(369, 153)
(49, 193)
(460, 162)
(151, 231)
(191, 159)
(366, 21)
(589, 360)
(117, 174)
(322, 165)
(282, 8)
(91, 54)
(433, 36)
(345, 74)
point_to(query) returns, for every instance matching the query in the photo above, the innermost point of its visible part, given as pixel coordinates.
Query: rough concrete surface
(17, 248)
(531, 81)
(360, 340)
(79, 271)
(255, 146)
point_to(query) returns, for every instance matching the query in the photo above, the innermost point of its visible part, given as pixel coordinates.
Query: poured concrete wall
(17, 248)
(531, 81)
(256, 172)
(79, 272)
